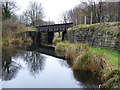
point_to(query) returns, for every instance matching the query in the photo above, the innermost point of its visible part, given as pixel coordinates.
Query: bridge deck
(54, 27)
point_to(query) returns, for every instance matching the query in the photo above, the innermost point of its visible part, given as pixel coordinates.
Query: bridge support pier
(50, 37)
(64, 35)
(38, 39)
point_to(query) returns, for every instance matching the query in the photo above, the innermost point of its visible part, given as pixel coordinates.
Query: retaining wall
(94, 37)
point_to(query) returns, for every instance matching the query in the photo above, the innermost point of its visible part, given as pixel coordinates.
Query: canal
(28, 68)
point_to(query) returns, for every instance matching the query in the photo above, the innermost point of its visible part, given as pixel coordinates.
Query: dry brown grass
(83, 58)
(93, 62)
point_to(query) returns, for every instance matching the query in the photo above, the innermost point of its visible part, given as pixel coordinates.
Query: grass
(82, 57)
(56, 40)
(112, 79)
(106, 26)
(111, 54)
(100, 61)
(16, 41)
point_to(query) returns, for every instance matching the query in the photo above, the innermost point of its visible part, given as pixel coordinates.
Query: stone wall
(95, 37)
(71, 36)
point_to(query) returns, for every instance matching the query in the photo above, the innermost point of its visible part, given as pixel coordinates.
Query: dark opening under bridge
(36, 36)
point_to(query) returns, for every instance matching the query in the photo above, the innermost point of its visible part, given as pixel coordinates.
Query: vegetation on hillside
(10, 28)
(106, 26)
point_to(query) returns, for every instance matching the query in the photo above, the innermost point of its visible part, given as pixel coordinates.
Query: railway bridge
(50, 31)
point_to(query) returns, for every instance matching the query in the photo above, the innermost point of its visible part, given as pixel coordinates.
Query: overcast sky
(52, 8)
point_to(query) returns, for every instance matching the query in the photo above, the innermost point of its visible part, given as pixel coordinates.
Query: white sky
(52, 8)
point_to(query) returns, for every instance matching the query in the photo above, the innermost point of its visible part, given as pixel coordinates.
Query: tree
(94, 12)
(8, 9)
(34, 14)
(76, 15)
(64, 17)
(118, 10)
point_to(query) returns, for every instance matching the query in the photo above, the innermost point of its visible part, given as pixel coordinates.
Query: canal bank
(86, 58)
(94, 48)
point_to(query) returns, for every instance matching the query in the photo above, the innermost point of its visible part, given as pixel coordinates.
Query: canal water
(25, 68)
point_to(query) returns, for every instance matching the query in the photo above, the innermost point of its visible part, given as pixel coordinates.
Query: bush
(16, 41)
(90, 61)
(56, 40)
(70, 51)
(60, 49)
(5, 42)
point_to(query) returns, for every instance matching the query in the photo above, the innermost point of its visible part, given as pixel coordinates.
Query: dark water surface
(33, 68)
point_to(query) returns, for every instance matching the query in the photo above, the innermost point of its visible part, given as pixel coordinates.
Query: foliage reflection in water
(32, 69)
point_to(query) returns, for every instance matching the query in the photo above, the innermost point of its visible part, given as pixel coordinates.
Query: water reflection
(86, 79)
(37, 62)
(10, 67)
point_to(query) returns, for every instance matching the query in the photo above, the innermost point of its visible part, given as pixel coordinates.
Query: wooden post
(91, 18)
(85, 18)
(76, 21)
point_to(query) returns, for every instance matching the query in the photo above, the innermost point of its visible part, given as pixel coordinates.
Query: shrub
(90, 61)
(5, 42)
(56, 40)
(16, 41)
(70, 51)
(60, 49)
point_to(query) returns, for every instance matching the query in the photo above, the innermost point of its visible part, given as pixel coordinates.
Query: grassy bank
(102, 62)
(9, 31)
(111, 54)
(16, 41)
(106, 26)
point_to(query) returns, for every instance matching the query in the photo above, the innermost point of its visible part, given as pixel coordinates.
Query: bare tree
(76, 15)
(64, 17)
(35, 13)
(94, 12)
